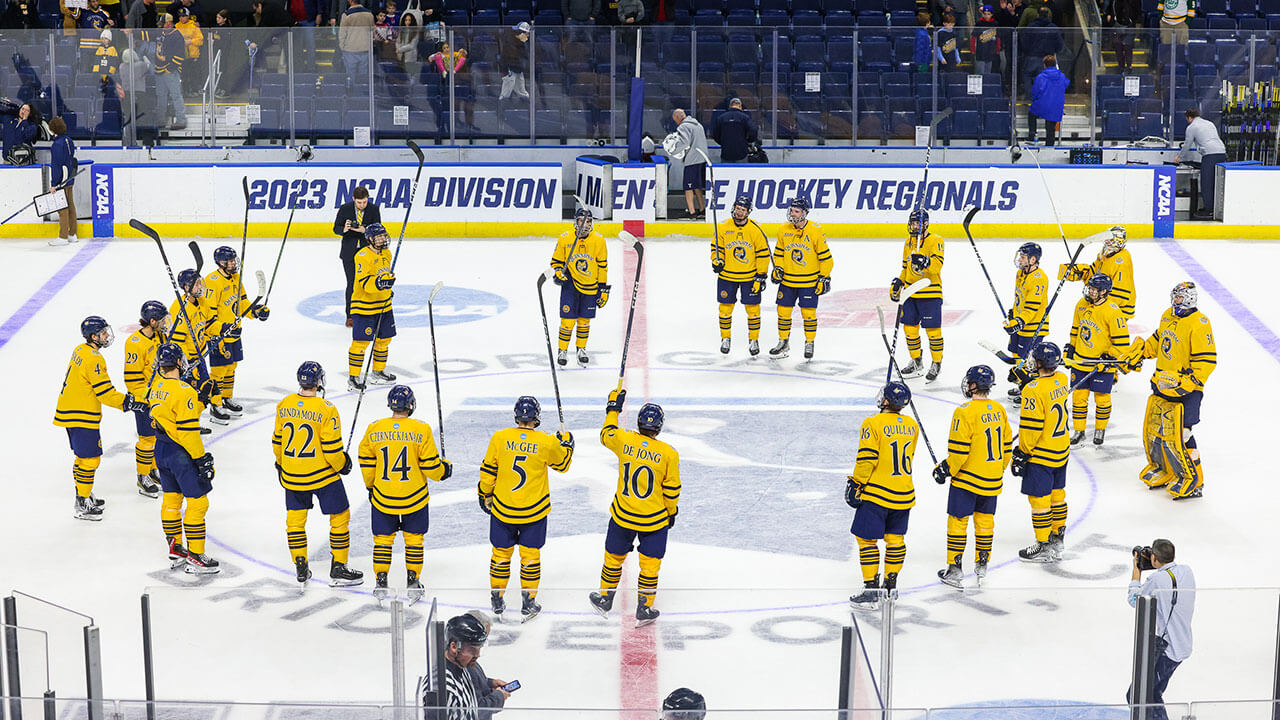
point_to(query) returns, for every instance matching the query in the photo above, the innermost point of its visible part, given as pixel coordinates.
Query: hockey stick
(280, 253)
(968, 219)
(173, 280)
(928, 152)
(33, 200)
(244, 232)
(1045, 318)
(435, 360)
(1053, 206)
(546, 330)
(715, 221)
(903, 296)
(262, 284)
(413, 193)
(631, 240)
(893, 364)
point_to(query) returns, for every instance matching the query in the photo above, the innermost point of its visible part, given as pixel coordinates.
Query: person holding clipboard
(62, 170)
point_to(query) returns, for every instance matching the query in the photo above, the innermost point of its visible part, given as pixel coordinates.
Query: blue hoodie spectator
(1048, 98)
(922, 56)
(18, 129)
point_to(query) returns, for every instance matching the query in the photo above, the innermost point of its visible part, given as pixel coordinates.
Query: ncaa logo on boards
(453, 305)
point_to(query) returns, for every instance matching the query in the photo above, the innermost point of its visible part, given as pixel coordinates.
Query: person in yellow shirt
(581, 265)
(979, 449)
(1040, 458)
(922, 257)
(86, 387)
(186, 468)
(307, 442)
(1115, 262)
(398, 458)
(1185, 354)
(1026, 323)
(139, 373)
(882, 494)
(225, 297)
(514, 492)
(371, 309)
(802, 270)
(740, 260)
(195, 309)
(644, 506)
(1099, 334)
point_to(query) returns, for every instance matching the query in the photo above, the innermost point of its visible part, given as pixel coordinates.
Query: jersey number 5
(515, 468)
(631, 481)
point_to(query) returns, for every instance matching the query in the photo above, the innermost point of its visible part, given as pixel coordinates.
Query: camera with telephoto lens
(1143, 553)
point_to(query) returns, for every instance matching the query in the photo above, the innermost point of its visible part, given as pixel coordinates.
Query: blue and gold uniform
(139, 361)
(514, 490)
(979, 448)
(882, 482)
(175, 411)
(802, 269)
(743, 250)
(225, 297)
(581, 265)
(86, 387)
(398, 458)
(205, 318)
(1099, 331)
(1118, 266)
(307, 443)
(371, 308)
(924, 308)
(1030, 303)
(1044, 440)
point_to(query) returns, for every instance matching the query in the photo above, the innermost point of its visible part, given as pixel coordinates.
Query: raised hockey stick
(1045, 318)
(928, 153)
(280, 253)
(715, 221)
(546, 330)
(903, 296)
(173, 280)
(893, 365)
(968, 219)
(631, 240)
(435, 360)
(1053, 206)
(196, 255)
(413, 193)
(244, 232)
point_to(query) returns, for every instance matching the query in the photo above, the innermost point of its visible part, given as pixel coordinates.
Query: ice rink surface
(754, 585)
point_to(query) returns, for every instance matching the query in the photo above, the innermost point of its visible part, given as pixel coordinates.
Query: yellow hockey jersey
(933, 248)
(226, 296)
(1042, 427)
(585, 260)
(1120, 268)
(886, 448)
(203, 316)
(979, 447)
(648, 478)
(307, 442)
(175, 411)
(743, 248)
(514, 472)
(802, 255)
(140, 362)
(1030, 301)
(1184, 347)
(397, 458)
(366, 298)
(85, 389)
(1095, 330)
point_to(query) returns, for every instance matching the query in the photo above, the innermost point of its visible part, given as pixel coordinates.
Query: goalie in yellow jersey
(581, 265)
(740, 260)
(802, 271)
(882, 494)
(1115, 262)
(1185, 355)
(514, 492)
(644, 506)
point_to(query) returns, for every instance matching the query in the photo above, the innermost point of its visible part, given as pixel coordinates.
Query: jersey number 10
(631, 481)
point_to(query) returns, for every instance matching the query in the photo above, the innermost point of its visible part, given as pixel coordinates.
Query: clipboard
(50, 202)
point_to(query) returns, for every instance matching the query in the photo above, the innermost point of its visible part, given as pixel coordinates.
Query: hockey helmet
(311, 376)
(650, 418)
(152, 310)
(528, 410)
(583, 222)
(187, 280)
(1116, 241)
(375, 231)
(94, 325)
(684, 704)
(401, 399)
(465, 629)
(978, 378)
(894, 396)
(170, 355)
(1029, 250)
(798, 211)
(744, 202)
(224, 256)
(1046, 356)
(1097, 288)
(1183, 298)
(918, 222)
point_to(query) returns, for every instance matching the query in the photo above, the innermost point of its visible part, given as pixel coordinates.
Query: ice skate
(913, 369)
(562, 358)
(413, 587)
(380, 590)
(869, 598)
(935, 369)
(1015, 393)
(218, 416)
(97, 503)
(497, 604)
(980, 567)
(808, 351)
(232, 408)
(382, 377)
(342, 576)
(952, 576)
(86, 509)
(724, 346)
(891, 585)
(1099, 436)
(1077, 437)
(529, 608)
(1198, 492)
(355, 383)
(148, 485)
(582, 357)
(753, 347)
(201, 564)
(1037, 552)
(601, 602)
(303, 573)
(177, 554)
(646, 614)
(1056, 543)
(781, 350)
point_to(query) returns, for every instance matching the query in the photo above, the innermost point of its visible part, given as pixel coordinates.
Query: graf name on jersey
(829, 193)
(453, 305)
(391, 193)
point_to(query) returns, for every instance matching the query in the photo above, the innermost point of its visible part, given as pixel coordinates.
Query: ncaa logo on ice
(452, 306)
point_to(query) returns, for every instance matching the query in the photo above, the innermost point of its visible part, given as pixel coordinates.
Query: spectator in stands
(444, 64)
(182, 8)
(355, 39)
(1007, 14)
(984, 43)
(142, 14)
(947, 49)
(349, 224)
(939, 9)
(923, 53)
(408, 37)
(1122, 16)
(62, 173)
(384, 37)
(273, 23)
(393, 13)
(170, 51)
(1203, 136)
(631, 12)
(1048, 98)
(306, 15)
(21, 129)
(1037, 40)
(1173, 20)
(22, 15)
(514, 62)
(734, 130)
(580, 12)
(235, 48)
(105, 60)
(193, 36)
(690, 143)
(135, 72)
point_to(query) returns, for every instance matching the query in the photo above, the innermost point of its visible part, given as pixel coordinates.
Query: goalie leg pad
(1158, 430)
(1185, 460)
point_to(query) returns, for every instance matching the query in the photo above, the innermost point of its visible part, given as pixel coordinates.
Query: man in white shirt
(689, 143)
(1203, 136)
(1174, 588)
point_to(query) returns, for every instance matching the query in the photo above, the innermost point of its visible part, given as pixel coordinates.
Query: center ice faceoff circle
(453, 305)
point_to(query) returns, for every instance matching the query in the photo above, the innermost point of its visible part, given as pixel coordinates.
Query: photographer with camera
(1173, 586)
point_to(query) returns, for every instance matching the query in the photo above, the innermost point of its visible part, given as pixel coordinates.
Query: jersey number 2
(306, 451)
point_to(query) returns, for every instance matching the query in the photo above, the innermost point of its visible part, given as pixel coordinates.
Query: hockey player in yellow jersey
(224, 293)
(740, 260)
(979, 449)
(372, 319)
(398, 458)
(882, 494)
(307, 443)
(1099, 336)
(1185, 355)
(802, 270)
(581, 265)
(1116, 263)
(514, 492)
(139, 372)
(193, 307)
(86, 387)
(1026, 322)
(1040, 457)
(644, 507)
(186, 468)
(922, 257)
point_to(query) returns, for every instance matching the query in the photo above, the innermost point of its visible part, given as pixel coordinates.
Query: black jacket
(353, 241)
(515, 55)
(734, 129)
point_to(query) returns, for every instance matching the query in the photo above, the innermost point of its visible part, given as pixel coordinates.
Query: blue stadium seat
(839, 19)
(876, 56)
(902, 18)
(1117, 126)
(873, 19)
(1118, 105)
(742, 18)
(1149, 124)
(774, 18)
(965, 103)
(814, 5)
(904, 48)
(996, 125)
(861, 6)
(487, 17)
(1252, 24)
(810, 18)
(895, 90)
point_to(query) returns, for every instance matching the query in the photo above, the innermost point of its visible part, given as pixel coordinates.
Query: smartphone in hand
(512, 686)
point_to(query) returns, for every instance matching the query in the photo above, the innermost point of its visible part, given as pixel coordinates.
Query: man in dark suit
(734, 130)
(352, 217)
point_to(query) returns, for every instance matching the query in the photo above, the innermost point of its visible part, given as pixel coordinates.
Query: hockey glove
(895, 290)
(566, 439)
(1014, 326)
(221, 346)
(559, 278)
(941, 472)
(919, 262)
(131, 405)
(824, 285)
(204, 467)
(616, 400)
(346, 463)
(757, 287)
(717, 266)
(852, 494)
(484, 500)
(1071, 272)
(385, 281)
(671, 520)
(1018, 465)
(205, 392)
(603, 297)
(262, 312)
(448, 469)
(776, 275)
(370, 489)
(234, 334)
(1069, 351)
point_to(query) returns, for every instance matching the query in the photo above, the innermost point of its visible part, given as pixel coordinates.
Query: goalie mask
(1183, 298)
(1115, 243)
(583, 222)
